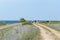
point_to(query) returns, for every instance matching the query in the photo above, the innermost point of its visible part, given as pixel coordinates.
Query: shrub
(22, 20)
(26, 23)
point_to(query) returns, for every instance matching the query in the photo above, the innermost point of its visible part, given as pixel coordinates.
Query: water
(21, 32)
(10, 22)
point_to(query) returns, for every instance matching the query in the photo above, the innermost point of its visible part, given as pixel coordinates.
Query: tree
(22, 20)
(47, 21)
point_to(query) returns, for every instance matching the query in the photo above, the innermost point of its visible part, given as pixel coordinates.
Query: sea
(10, 22)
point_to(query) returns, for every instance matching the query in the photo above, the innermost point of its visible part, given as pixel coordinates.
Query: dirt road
(47, 33)
(9, 25)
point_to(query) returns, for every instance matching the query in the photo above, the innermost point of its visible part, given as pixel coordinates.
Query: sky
(30, 9)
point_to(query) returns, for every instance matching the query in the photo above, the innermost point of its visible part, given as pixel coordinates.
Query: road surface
(9, 25)
(47, 33)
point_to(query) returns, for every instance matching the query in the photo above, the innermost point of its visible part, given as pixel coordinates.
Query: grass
(4, 32)
(53, 27)
(51, 22)
(26, 23)
(30, 33)
(2, 24)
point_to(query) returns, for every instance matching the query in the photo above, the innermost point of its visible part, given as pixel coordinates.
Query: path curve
(47, 33)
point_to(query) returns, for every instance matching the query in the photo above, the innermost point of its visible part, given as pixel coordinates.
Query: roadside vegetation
(2, 23)
(24, 22)
(29, 34)
(5, 32)
(52, 24)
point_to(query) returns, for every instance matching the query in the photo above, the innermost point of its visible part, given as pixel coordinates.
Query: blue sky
(30, 9)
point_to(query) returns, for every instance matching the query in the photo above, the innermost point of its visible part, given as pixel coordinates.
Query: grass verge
(51, 26)
(26, 23)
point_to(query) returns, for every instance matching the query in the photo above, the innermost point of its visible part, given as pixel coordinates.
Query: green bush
(26, 23)
(22, 20)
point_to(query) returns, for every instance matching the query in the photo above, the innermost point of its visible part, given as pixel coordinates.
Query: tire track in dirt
(45, 33)
(57, 33)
